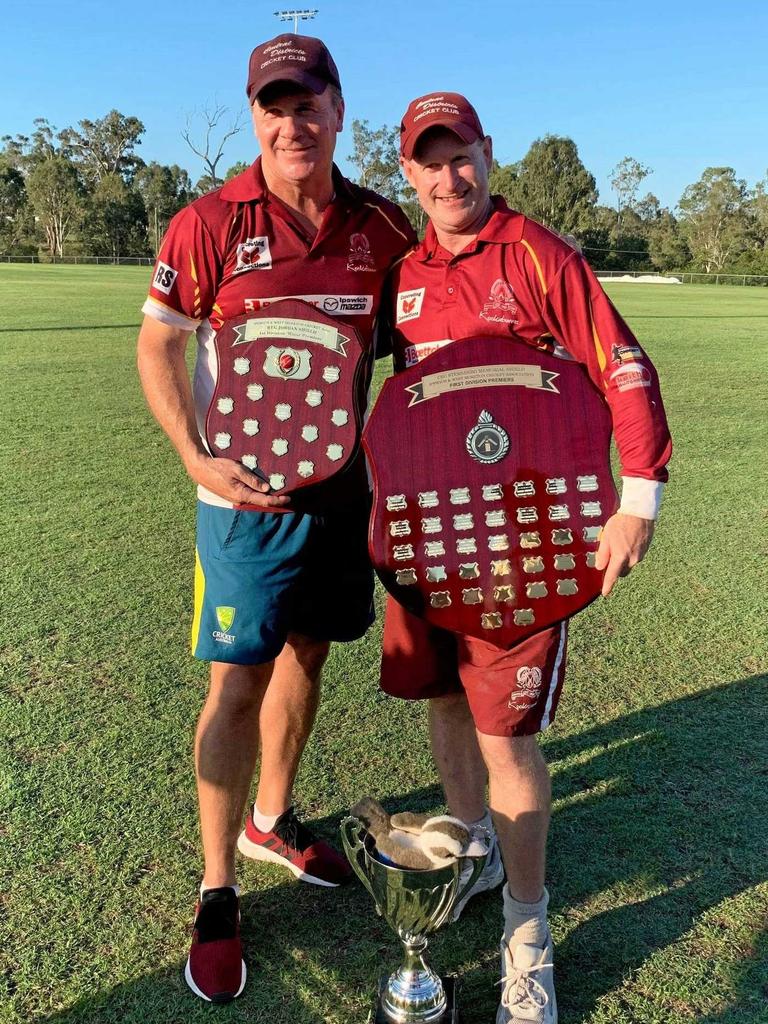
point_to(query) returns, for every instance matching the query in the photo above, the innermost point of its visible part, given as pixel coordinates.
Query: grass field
(659, 842)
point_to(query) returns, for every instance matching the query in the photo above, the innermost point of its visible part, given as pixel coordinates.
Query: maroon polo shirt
(518, 278)
(239, 248)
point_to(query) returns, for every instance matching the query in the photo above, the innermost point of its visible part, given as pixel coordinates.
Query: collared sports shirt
(517, 277)
(239, 248)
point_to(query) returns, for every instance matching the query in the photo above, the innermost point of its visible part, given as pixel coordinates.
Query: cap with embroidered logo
(303, 60)
(439, 109)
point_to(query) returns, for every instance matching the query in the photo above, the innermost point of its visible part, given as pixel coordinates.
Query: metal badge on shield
(487, 441)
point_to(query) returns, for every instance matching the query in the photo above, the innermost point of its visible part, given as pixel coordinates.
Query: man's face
(451, 180)
(297, 132)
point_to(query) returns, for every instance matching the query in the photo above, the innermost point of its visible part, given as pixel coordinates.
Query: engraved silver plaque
(492, 492)
(241, 366)
(536, 589)
(555, 485)
(498, 542)
(469, 571)
(405, 577)
(501, 567)
(225, 405)
(395, 502)
(524, 489)
(403, 552)
(440, 598)
(400, 528)
(431, 524)
(504, 594)
(533, 564)
(434, 548)
(562, 537)
(466, 546)
(464, 522)
(527, 514)
(255, 392)
(491, 620)
(283, 411)
(530, 539)
(428, 499)
(472, 595)
(498, 517)
(436, 574)
(591, 533)
(459, 496)
(310, 432)
(524, 617)
(586, 483)
(565, 561)
(250, 427)
(222, 440)
(590, 509)
(558, 512)
(567, 587)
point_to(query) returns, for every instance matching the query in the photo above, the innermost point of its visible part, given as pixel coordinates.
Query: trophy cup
(415, 903)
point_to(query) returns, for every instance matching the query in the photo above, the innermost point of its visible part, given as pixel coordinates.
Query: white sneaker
(527, 984)
(491, 875)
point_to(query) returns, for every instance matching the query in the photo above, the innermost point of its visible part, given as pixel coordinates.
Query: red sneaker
(292, 844)
(215, 968)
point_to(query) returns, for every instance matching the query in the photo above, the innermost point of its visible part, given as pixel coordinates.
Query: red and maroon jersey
(518, 278)
(240, 248)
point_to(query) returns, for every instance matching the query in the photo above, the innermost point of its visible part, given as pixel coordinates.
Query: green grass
(658, 853)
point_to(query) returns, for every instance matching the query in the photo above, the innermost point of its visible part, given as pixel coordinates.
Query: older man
(272, 589)
(485, 270)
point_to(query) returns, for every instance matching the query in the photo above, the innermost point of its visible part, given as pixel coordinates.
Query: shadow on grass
(660, 816)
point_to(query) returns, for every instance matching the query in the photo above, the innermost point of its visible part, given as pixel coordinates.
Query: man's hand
(623, 543)
(234, 482)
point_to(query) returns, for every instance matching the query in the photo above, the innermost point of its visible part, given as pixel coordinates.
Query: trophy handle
(478, 863)
(352, 832)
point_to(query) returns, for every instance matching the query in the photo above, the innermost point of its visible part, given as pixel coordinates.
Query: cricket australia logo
(487, 442)
(254, 254)
(225, 616)
(501, 307)
(360, 257)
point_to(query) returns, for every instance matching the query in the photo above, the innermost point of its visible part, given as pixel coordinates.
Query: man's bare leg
(457, 756)
(226, 745)
(279, 700)
(520, 801)
(287, 715)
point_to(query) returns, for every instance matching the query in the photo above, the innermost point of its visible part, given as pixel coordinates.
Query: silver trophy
(414, 903)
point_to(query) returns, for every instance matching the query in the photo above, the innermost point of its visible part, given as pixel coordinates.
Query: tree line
(719, 224)
(86, 191)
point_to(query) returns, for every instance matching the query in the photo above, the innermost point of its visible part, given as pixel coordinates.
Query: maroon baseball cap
(291, 58)
(444, 109)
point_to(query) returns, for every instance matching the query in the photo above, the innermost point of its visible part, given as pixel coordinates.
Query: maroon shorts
(510, 693)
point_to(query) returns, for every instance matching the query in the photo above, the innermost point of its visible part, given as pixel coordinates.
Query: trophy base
(450, 1016)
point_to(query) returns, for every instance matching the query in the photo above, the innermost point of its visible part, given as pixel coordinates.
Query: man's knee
(512, 755)
(238, 689)
(309, 654)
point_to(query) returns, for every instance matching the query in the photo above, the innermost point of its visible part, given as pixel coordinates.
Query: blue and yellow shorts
(262, 575)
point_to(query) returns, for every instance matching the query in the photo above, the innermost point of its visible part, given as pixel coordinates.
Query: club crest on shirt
(254, 254)
(360, 257)
(409, 304)
(500, 307)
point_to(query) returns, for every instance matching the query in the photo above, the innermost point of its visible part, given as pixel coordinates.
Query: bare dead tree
(209, 149)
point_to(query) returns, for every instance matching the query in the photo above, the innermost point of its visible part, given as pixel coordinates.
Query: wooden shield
(491, 467)
(289, 396)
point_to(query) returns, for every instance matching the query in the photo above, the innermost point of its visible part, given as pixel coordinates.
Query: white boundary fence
(760, 280)
(115, 261)
(686, 278)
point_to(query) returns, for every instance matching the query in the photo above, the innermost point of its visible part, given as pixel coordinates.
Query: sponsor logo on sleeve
(528, 689)
(360, 257)
(630, 376)
(164, 277)
(625, 353)
(346, 305)
(254, 254)
(409, 304)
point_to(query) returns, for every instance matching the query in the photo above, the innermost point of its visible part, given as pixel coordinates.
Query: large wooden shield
(491, 467)
(289, 396)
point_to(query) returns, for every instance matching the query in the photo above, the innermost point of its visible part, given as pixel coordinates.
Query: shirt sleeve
(186, 274)
(582, 317)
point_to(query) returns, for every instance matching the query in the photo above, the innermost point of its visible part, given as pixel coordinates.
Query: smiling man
(277, 582)
(484, 270)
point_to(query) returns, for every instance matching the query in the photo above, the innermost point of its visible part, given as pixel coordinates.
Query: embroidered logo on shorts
(225, 615)
(528, 689)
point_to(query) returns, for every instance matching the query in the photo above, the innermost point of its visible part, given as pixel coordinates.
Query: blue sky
(679, 85)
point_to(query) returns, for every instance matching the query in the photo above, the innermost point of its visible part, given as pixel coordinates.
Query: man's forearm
(165, 380)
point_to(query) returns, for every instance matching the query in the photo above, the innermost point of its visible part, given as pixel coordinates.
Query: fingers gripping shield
(492, 481)
(289, 396)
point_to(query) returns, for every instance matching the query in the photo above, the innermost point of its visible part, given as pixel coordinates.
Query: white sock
(264, 822)
(204, 888)
(525, 922)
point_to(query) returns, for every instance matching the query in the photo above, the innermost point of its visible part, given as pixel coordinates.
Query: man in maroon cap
(485, 270)
(276, 583)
